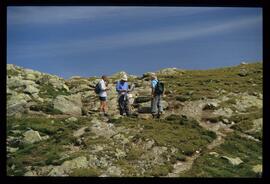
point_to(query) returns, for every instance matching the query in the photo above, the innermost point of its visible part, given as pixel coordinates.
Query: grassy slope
(187, 136)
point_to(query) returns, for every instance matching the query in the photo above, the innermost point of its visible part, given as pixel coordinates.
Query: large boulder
(246, 101)
(68, 104)
(31, 90)
(68, 166)
(15, 82)
(17, 104)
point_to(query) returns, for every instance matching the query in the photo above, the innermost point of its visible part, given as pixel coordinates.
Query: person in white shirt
(103, 83)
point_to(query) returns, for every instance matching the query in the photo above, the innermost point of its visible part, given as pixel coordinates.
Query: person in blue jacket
(122, 89)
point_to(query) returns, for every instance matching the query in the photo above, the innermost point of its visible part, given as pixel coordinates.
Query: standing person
(122, 89)
(103, 87)
(157, 91)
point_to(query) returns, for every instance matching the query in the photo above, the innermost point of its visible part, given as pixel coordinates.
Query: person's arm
(117, 87)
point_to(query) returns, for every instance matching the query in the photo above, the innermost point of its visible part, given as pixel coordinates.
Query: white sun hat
(124, 78)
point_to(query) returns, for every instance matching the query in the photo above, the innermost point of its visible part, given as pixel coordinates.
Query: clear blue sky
(91, 41)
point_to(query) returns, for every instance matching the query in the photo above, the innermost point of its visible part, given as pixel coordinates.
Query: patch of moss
(134, 154)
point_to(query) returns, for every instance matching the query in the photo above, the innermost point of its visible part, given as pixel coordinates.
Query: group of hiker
(123, 88)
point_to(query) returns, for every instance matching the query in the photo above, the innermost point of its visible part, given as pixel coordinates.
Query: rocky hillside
(212, 125)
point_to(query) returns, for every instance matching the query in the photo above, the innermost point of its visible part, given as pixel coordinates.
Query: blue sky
(91, 41)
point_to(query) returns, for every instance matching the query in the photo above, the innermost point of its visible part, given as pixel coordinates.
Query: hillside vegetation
(211, 126)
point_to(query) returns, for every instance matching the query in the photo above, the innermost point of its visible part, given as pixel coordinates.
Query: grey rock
(257, 169)
(12, 150)
(45, 137)
(79, 132)
(31, 173)
(17, 104)
(246, 101)
(257, 126)
(211, 105)
(68, 104)
(31, 90)
(16, 82)
(68, 166)
(30, 76)
(71, 119)
(233, 161)
(120, 154)
(31, 136)
(243, 72)
(149, 144)
(214, 154)
(168, 71)
(114, 171)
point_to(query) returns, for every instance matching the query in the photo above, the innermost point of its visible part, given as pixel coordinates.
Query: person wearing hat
(122, 89)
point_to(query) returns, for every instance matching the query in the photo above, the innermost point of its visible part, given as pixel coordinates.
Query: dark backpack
(159, 89)
(97, 88)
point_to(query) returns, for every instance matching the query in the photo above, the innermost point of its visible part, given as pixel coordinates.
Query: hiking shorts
(102, 98)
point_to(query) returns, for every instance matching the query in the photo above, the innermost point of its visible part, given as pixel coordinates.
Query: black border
(200, 3)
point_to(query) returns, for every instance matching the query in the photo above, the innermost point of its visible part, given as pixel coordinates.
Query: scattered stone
(214, 154)
(243, 73)
(79, 132)
(114, 171)
(31, 136)
(71, 119)
(12, 150)
(31, 173)
(257, 126)
(233, 161)
(225, 121)
(257, 169)
(149, 144)
(67, 166)
(43, 138)
(31, 90)
(119, 153)
(210, 106)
